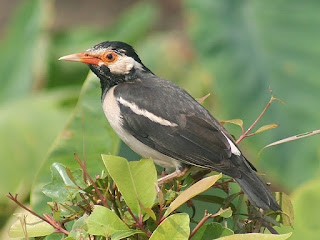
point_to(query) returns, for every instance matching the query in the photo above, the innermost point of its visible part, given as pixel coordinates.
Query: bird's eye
(109, 57)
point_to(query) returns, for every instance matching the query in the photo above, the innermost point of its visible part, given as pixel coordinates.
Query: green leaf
(148, 211)
(211, 231)
(174, 227)
(266, 127)
(225, 213)
(79, 228)
(104, 222)
(124, 234)
(238, 122)
(287, 214)
(78, 234)
(135, 180)
(255, 236)
(215, 199)
(87, 124)
(56, 236)
(81, 223)
(60, 179)
(192, 191)
(34, 226)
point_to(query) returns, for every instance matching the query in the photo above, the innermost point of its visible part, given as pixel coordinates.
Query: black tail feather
(257, 192)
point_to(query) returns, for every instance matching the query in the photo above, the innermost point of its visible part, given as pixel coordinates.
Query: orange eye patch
(109, 57)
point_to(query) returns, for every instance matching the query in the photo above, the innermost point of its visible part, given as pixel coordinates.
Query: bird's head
(111, 61)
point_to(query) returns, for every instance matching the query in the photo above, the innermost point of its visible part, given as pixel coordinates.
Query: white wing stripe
(234, 149)
(142, 112)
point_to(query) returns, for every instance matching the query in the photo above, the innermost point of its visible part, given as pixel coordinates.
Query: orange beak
(84, 57)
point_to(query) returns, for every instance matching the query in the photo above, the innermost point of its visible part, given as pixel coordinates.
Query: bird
(160, 120)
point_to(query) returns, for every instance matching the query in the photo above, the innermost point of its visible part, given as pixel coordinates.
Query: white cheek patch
(234, 149)
(123, 65)
(142, 112)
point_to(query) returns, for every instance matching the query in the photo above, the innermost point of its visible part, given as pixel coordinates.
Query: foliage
(126, 201)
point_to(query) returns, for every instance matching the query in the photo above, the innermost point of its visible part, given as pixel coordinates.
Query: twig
(203, 98)
(87, 204)
(217, 184)
(202, 221)
(47, 218)
(104, 200)
(245, 134)
(15, 199)
(55, 224)
(139, 222)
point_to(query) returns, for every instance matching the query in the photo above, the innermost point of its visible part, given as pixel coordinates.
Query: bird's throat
(108, 79)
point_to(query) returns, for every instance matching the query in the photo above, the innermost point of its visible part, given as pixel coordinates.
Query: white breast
(111, 109)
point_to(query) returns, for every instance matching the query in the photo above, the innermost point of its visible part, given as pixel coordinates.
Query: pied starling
(158, 119)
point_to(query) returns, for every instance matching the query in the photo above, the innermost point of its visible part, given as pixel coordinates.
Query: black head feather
(118, 46)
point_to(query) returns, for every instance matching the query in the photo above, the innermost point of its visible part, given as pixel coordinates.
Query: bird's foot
(175, 174)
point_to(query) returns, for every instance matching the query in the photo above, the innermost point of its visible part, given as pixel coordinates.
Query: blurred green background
(234, 49)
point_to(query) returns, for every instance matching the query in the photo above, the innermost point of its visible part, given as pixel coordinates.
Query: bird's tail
(257, 192)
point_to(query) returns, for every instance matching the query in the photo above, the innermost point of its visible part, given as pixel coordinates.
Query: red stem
(104, 201)
(202, 221)
(245, 134)
(217, 184)
(14, 198)
(139, 222)
(55, 224)
(48, 219)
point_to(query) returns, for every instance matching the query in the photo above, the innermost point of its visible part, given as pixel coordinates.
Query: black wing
(194, 138)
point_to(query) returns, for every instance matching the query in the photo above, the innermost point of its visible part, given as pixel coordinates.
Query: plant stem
(104, 200)
(55, 224)
(245, 134)
(139, 222)
(202, 221)
(14, 198)
(47, 218)
(217, 184)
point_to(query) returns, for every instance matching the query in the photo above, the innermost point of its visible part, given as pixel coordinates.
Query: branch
(104, 200)
(202, 221)
(15, 199)
(245, 134)
(48, 219)
(139, 222)
(55, 224)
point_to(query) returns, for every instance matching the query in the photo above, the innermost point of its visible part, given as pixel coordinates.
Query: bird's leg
(175, 174)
